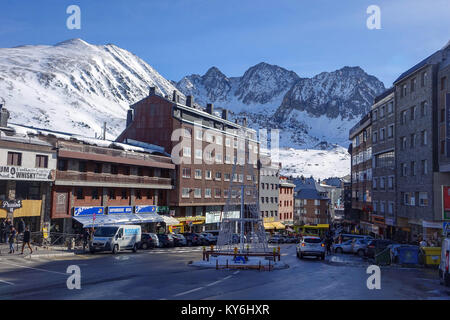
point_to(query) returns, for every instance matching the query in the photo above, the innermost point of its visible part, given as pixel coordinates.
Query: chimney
(130, 116)
(4, 116)
(190, 101)
(175, 96)
(225, 114)
(152, 91)
(210, 108)
(244, 121)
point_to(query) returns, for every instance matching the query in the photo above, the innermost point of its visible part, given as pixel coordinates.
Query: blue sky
(180, 37)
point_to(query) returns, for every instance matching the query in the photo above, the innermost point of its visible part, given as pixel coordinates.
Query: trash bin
(432, 256)
(408, 254)
(383, 257)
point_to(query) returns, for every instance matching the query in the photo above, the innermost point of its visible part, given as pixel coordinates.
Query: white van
(116, 238)
(444, 274)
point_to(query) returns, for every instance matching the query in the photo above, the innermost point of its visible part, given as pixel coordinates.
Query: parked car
(292, 239)
(344, 247)
(192, 239)
(359, 246)
(148, 240)
(166, 240)
(203, 241)
(276, 239)
(348, 236)
(212, 239)
(444, 273)
(311, 246)
(179, 240)
(376, 246)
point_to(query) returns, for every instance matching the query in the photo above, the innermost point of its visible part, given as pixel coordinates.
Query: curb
(46, 255)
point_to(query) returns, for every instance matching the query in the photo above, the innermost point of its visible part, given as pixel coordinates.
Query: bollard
(279, 255)
(259, 268)
(204, 253)
(212, 247)
(217, 264)
(235, 252)
(227, 263)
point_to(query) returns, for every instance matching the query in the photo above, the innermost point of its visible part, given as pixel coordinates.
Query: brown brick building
(286, 201)
(204, 148)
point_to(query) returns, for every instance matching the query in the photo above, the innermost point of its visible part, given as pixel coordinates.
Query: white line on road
(187, 292)
(213, 283)
(7, 282)
(236, 272)
(228, 277)
(37, 269)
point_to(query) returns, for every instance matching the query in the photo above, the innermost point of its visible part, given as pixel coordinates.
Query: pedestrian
(12, 239)
(2, 231)
(7, 230)
(328, 243)
(86, 238)
(27, 239)
(21, 227)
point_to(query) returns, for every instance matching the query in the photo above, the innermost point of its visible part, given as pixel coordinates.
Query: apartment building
(383, 164)
(269, 193)
(421, 160)
(204, 146)
(286, 201)
(361, 173)
(311, 202)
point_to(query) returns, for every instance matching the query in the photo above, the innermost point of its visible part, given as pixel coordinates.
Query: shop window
(41, 161)
(14, 159)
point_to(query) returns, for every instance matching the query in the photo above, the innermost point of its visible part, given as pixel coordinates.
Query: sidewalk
(38, 252)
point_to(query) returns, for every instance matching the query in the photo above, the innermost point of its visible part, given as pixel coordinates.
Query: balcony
(105, 179)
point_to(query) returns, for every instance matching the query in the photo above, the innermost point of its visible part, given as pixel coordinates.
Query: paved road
(165, 274)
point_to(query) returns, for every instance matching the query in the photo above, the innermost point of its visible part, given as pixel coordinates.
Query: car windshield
(313, 240)
(105, 231)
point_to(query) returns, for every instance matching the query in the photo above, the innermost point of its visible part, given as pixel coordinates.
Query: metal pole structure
(242, 218)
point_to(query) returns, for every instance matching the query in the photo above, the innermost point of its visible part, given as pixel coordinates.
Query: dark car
(179, 240)
(192, 239)
(166, 241)
(375, 246)
(148, 241)
(202, 239)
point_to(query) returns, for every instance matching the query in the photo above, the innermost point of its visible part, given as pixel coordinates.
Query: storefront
(189, 224)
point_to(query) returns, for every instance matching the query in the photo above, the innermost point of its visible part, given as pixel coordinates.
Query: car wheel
(339, 250)
(135, 248)
(361, 253)
(115, 249)
(144, 246)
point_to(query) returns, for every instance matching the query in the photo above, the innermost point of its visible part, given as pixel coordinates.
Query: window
(114, 169)
(424, 137)
(198, 174)
(423, 199)
(209, 156)
(391, 207)
(138, 195)
(82, 166)
(197, 193)
(198, 134)
(382, 111)
(403, 143)
(218, 175)
(382, 185)
(424, 167)
(404, 169)
(374, 183)
(219, 140)
(62, 165)
(187, 132)
(124, 194)
(391, 182)
(186, 173)
(218, 157)
(217, 193)
(375, 137)
(375, 209)
(413, 140)
(79, 193)
(423, 108)
(207, 193)
(390, 131)
(187, 152)
(227, 142)
(227, 177)
(41, 161)
(112, 194)
(413, 113)
(413, 168)
(208, 174)
(185, 193)
(95, 195)
(413, 84)
(227, 159)
(209, 137)
(423, 78)
(98, 168)
(374, 115)
(198, 154)
(126, 171)
(14, 159)
(390, 107)
(382, 131)
(403, 117)
(403, 94)
(382, 206)
(443, 83)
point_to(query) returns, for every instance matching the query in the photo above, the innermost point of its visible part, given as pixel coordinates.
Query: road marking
(7, 282)
(226, 278)
(37, 269)
(236, 272)
(187, 292)
(213, 283)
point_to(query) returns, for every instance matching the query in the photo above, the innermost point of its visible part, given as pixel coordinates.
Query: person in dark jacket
(86, 238)
(2, 231)
(21, 227)
(26, 239)
(12, 239)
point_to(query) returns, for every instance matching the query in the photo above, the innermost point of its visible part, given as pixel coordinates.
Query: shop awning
(274, 225)
(278, 225)
(268, 226)
(115, 219)
(170, 221)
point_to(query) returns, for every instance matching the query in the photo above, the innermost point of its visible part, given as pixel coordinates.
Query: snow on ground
(317, 163)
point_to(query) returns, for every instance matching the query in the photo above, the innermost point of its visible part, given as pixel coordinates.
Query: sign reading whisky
(21, 173)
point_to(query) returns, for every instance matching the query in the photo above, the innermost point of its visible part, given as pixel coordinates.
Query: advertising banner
(28, 174)
(145, 209)
(446, 202)
(87, 211)
(120, 210)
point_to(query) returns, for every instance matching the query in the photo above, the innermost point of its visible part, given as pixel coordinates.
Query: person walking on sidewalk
(12, 239)
(27, 239)
(21, 227)
(2, 231)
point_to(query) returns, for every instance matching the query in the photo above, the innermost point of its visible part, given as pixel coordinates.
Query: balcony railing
(110, 178)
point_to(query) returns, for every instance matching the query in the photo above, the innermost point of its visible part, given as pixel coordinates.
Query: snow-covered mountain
(310, 112)
(75, 86)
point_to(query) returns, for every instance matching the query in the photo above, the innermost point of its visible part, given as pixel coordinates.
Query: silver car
(359, 246)
(344, 247)
(311, 246)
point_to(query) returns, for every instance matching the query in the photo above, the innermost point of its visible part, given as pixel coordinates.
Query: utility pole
(104, 130)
